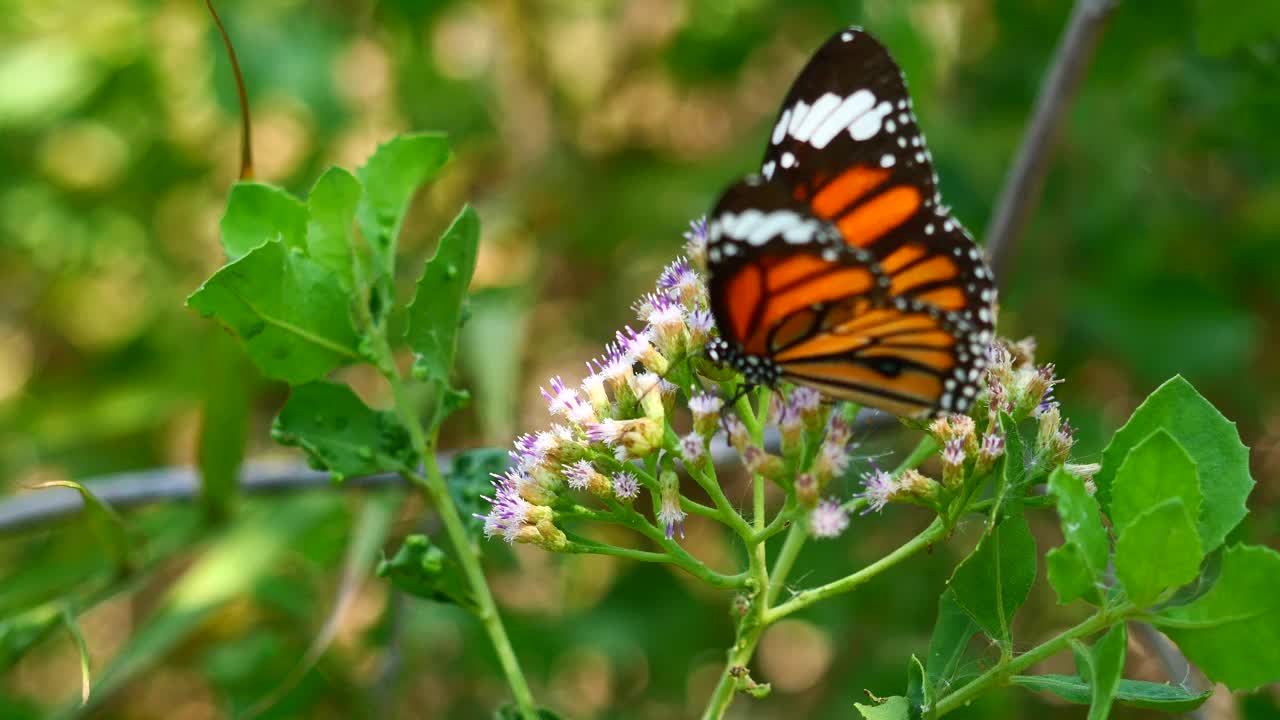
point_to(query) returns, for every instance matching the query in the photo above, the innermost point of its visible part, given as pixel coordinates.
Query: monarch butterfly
(837, 266)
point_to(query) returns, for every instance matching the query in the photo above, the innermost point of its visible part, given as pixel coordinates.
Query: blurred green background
(587, 134)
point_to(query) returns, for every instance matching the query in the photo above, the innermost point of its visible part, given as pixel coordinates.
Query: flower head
(879, 488)
(638, 348)
(695, 239)
(700, 323)
(508, 511)
(828, 520)
(692, 448)
(666, 323)
(625, 486)
(833, 456)
(582, 475)
(593, 387)
(669, 513)
(616, 367)
(991, 450)
(706, 413)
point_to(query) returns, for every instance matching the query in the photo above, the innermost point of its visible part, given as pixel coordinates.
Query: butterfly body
(836, 266)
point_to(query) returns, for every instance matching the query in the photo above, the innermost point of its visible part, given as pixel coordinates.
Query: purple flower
(878, 488)
(671, 516)
(692, 448)
(580, 474)
(625, 486)
(992, 446)
(638, 347)
(953, 452)
(606, 431)
(695, 241)
(828, 520)
(700, 323)
(508, 510)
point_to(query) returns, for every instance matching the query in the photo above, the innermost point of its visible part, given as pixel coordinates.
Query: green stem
(465, 552)
(785, 561)
(1000, 673)
(711, 485)
(805, 598)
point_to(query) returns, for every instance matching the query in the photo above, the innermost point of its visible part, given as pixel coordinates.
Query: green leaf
(231, 565)
(19, 633)
(423, 570)
(1136, 693)
(511, 712)
(1155, 470)
(1232, 632)
(341, 434)
(1069, 575)
(290, 314)
(332, 205)
(1220, 31)
(104, 521)
(257, 214)
(1101, 666)
(1077, 572)
(951, 634)
(1207, 437)
(390, 178)
(1158, 550)
(470, 480)
(497, 317)
(82, 648)
(224, 425)
(436, 311)
(920, 691)
(993, 582)
(892, 708)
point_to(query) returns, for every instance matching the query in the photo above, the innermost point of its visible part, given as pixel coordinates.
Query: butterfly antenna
(246, 146)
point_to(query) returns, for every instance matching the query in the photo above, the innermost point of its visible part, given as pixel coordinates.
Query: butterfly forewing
(838, 267)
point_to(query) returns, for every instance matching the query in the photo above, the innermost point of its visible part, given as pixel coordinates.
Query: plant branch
(1000, 673)
(1025, 179)
(805, 598)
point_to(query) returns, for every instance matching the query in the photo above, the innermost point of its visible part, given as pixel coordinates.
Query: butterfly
(837, 266)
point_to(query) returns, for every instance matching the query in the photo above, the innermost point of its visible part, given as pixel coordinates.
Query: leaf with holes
(341, 434)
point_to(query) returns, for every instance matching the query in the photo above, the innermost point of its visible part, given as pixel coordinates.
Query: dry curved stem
(246, 146)
(1022, 185)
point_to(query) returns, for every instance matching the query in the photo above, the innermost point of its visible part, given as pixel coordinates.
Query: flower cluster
(613, 434)
(618, 414)
(971, 445)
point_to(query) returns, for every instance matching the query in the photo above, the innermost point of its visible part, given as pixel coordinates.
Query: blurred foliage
(586, 135)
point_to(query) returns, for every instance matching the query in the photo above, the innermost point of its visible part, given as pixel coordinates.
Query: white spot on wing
(840, 118)
(780, 130)
(866, 127)
(822, 107)
(788, 160)
(767, 170)
(886, 160)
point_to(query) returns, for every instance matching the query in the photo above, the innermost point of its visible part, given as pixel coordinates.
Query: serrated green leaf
(1155, 470)
(105, 522)
(1070, 576)
(993, 582)
(920, 695)
(1211, 440)
(423, 570)
(951, 634)
(893, 708)
(391, 177)
(1232, 632)
(1157, 551)
(257, 214)
(1136, 693)
(1100, 666)
(332, 208)
(436, 310)
(1077, 572)
(470, 479)
(290, 314)
(342, 434)
(1220, 31)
